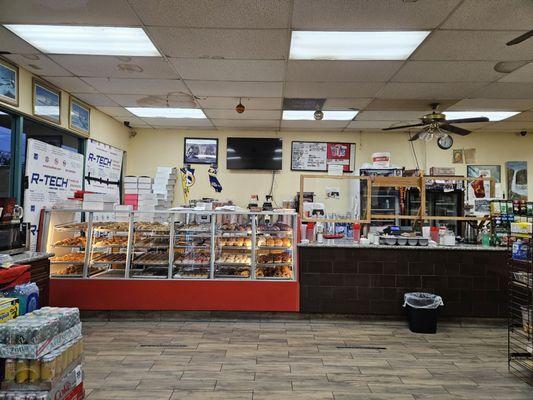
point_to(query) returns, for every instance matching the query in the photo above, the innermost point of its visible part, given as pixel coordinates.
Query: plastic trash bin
(422, 310)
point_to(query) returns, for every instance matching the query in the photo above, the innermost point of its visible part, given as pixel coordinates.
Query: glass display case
(171, 245)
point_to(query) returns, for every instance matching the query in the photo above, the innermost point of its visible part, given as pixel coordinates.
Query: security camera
(318, 115)
(133, 132)
(523, 133)
(127, 124)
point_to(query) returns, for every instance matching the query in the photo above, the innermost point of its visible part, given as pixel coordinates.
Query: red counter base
(88, 294)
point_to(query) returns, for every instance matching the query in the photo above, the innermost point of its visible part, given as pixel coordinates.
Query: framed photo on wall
(316, 156)
(200, 151)
(485, 171)
(79, 117)
(46, 102)
(9, 83)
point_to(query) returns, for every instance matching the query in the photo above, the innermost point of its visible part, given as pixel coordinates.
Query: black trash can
(422, 310)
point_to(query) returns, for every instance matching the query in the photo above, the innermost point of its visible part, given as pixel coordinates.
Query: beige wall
(164, 147)
(103, 127)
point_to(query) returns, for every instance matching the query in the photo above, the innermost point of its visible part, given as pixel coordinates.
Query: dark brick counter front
(473, 283)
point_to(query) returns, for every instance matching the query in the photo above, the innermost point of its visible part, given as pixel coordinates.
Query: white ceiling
(217, 52)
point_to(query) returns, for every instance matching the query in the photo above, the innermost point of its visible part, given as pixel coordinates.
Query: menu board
(103, 169)
(52, 174)
(316, 156)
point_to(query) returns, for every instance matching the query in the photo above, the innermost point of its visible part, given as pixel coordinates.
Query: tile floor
(215, 359)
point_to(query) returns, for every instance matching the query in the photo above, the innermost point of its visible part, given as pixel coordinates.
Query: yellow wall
(164, 147)
(103, 127)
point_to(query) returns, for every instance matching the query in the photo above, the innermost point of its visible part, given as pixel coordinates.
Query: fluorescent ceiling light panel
(87, 40)
(311, 45)
(491, 115)
(164, 112)
(293, 115)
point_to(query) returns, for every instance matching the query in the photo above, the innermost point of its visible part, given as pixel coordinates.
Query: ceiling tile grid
(216, 54)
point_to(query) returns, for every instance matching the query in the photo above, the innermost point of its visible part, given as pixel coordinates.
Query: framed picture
(200, 151)
(516, 172)
(9, 83)
(485, 171)
(458, 156)
(79, 116)
(316, 156)
(46, 102)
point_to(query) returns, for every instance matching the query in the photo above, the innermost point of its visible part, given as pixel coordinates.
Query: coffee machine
(14, 234)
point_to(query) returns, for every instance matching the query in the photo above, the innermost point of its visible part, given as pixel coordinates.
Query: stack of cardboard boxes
(134, 187)
(164, 182)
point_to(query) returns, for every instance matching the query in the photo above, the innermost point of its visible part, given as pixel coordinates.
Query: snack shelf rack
(520, 320)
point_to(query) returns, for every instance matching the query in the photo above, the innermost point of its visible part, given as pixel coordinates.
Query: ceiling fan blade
(455, 129)
(416, 136)
(520, 38)
(403, 126)
(467, 120)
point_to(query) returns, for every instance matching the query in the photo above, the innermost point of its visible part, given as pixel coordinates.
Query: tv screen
(254, 153)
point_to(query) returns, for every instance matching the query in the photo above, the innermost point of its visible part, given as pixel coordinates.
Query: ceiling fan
(436, 124)
(520, 38)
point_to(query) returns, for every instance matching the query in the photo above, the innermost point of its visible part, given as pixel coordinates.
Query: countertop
(340, 243)
(30, 256)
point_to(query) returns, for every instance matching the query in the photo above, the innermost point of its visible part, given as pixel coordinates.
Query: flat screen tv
(254, 153)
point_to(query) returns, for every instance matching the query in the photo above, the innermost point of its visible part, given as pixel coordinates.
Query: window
(5, 154)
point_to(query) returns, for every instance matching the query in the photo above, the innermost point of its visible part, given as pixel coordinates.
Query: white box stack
(98, 201)
(164, 183)
(144, 185)
(129, 185)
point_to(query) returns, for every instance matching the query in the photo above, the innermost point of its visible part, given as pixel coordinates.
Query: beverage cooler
(385, 200)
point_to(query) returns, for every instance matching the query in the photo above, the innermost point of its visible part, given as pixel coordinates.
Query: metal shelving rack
(520, 321)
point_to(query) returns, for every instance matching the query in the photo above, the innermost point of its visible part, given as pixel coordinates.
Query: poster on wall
(103, 169)
(52, 174)
(480, 189)
(516, 172)
(316, 156)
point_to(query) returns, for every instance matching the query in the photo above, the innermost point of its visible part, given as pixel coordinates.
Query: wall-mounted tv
(254, 153)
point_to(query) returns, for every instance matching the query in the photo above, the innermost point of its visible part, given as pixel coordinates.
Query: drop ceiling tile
(473, 45)
(248, 114)
(395, 90)
(345, 103)
(118, 112)
(522, 74)
(178, 122)
(510, 126)
(332, 89)
(83, 12)
(38, 64)
(491, 105)
(370, 124)
(214, 13)
(95, 100)
(13, 44)
(184, 128)
(447, 71)
(134, 121)
(258, 44)
(230, 70)
(491, 14)
(116, 67)
(407, 104)
(251, 103)
(506, 91)
(137, 86)
(375, 14)
(341, 71)
(142, 100)
(70, 84)
(314, 124)
(246, 123)
(390, 115)
(235, 89)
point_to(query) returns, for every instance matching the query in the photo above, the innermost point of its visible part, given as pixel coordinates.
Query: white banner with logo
(52, 174)
(103, 169)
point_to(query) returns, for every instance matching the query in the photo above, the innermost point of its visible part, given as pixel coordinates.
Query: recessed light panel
(293, 115)
(311, 45)
(491, 115)
(87, 40)
(165, 112)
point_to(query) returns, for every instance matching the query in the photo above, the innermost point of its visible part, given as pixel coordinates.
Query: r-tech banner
(103, 169)
(52, 174)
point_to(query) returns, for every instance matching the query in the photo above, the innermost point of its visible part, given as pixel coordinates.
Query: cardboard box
(98, 205)
(130, 185)
(131, 191)
(9, 308)
(130, 179)
(442, 171)
(144, 179)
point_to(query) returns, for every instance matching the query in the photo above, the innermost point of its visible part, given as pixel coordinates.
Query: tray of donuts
(269, 242)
